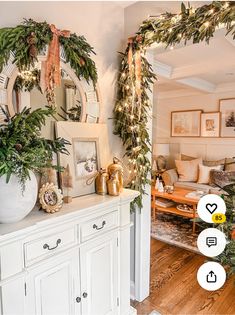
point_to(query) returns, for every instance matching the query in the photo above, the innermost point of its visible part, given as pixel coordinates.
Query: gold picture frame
(210, 124)
(50, 198)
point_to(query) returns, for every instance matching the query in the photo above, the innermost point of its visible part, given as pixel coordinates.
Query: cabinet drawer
(98, 225)
(47, 245)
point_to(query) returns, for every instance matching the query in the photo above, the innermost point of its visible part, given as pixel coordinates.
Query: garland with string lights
(136, 77)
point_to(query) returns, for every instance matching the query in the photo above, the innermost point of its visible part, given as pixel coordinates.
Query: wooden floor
(174, 287)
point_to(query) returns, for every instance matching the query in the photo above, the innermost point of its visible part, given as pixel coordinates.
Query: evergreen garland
(30, 38)
(130, 115)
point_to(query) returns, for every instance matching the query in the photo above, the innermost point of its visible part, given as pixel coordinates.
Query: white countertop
(80, 205)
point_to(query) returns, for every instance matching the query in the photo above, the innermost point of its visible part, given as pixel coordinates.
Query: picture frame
(88, 152)
(186, 123)
(227, 109)
(50, 198)
(210, 124)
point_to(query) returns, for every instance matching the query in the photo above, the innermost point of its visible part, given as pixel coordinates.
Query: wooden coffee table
(177, 196)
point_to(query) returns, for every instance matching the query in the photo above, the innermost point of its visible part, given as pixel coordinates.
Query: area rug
(175, 230)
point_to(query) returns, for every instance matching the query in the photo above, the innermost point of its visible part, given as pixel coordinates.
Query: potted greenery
(22, 153)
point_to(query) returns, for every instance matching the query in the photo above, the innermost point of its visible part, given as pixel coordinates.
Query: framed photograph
(227, 109)
(210, 124)
(186, 123)
(86, 157)
(50, 198)
(88, 152)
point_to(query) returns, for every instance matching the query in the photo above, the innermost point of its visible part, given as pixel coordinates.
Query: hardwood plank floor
(174, 288)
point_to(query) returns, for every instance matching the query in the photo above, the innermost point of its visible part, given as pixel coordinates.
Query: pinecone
(82, 61)
(33, 51)
(18, 146)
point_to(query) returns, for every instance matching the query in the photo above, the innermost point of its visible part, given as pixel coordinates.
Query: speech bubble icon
(211, 241)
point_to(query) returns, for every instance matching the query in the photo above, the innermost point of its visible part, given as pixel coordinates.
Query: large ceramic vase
(15, 204)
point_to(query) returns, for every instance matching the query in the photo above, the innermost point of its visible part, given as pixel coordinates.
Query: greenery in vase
(22, 149)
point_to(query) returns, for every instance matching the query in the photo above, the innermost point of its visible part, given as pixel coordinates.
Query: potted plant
(22, 153)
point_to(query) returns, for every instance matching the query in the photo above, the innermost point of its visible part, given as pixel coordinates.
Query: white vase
(15, 204)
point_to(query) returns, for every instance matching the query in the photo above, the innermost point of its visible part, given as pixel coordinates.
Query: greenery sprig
(130, 114)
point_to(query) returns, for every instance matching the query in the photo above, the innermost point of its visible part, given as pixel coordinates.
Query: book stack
(165, 203)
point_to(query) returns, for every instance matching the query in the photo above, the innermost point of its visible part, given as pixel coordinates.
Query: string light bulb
(132, 117)
(127, 87)
(206, 24)
(120, 108)
(179, 35)
(226, 5)
(192, 11)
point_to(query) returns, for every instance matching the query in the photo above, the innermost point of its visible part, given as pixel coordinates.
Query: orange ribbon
(52, 64)
(130, 55)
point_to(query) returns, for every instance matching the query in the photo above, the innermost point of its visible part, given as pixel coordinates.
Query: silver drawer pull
(46, 246)
(99, 228)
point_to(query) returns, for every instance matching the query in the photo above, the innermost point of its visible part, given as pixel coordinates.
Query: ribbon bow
(51, 71)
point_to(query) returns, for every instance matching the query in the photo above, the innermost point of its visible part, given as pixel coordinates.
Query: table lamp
(160, 151)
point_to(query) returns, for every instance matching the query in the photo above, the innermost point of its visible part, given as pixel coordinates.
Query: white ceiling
(198, 68)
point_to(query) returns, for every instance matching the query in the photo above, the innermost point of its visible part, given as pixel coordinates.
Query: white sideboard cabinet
(74, 262)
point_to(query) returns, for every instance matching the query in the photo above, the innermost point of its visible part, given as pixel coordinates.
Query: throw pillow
(184, 157)
(204, 173)
(188, 170)
(230, 164)
(214, 163)
(222, 178)
(205, 162)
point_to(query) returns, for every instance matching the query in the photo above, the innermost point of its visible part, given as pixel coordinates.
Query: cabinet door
(12, 297)
(53, 287)
(99, 276)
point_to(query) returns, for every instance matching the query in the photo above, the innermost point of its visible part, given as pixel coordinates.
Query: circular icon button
(211, 242)
(211, 276)
(210, 204)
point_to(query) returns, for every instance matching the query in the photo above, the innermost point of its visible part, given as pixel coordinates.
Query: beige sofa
(171, 177)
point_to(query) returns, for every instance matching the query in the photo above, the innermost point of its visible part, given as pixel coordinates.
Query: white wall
(211, 148)
(102, 23)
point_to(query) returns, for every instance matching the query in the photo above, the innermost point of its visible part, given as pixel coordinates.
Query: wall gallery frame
(89, 151)
(227, 109)
(210, 124)
(186, 123)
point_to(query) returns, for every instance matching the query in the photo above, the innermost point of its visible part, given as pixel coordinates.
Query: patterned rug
(175, 230)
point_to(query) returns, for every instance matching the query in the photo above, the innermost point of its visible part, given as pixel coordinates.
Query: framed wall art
(227, 109)
(210, 124)
(186, 123)
(88, 152)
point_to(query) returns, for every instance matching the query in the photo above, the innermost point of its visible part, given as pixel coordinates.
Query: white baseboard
(132, 291)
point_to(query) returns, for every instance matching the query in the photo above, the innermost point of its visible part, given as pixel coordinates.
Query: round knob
(78, 299)
(85, 295)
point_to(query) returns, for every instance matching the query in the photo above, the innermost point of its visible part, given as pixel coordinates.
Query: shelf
(174, 210)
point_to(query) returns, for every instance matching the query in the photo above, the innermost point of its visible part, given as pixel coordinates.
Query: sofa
(221, 173)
